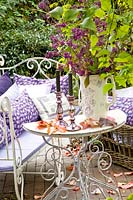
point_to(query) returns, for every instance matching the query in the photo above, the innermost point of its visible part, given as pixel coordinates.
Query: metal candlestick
(59, 111)
(72, 126)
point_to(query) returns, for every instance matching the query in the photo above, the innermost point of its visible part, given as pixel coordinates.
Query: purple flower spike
(43, 5)
(81, 72)
(91, 62)
(115, 50)
(67, 55)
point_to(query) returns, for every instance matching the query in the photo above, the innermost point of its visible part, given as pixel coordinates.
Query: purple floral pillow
(126, 105)
(2, 141)
(25, 80)
(24, 111)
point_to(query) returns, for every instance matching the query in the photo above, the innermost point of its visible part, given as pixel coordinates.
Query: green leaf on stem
(103, 52)
(123, 31)
(71, 14)
(121, 80)
(94, 40)
(88, 23)
(107, 87)
(86, 81)
(99, 13)
(106, 5)
(130, 3)
(56, 12)
(123, 57)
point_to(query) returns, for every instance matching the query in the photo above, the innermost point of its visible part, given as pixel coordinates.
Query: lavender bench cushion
(30, 144)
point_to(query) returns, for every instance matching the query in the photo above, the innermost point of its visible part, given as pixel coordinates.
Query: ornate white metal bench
(16, 150)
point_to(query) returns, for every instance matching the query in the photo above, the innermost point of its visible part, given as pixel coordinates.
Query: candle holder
(72, 126)
(59, 111)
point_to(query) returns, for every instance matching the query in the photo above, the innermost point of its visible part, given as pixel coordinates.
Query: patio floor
(35, 185)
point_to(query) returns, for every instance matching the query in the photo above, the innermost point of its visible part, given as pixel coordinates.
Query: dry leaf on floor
(88, 157)
(37, 197)
(117, 175)
(120, 184)
(76, 188)
(111, 191)
(72, 182)
(128, 173)
(126, 186)
(70, 167)
(67, 154)
(110, 180)
(96, 191)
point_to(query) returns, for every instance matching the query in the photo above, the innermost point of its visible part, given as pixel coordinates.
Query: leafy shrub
(23, 33)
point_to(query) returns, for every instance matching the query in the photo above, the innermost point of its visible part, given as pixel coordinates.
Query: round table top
(118, 115)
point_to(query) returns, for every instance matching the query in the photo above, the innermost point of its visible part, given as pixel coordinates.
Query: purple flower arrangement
(76, 50)
(88, 38)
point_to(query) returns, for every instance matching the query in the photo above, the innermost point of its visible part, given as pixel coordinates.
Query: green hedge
(24, 33)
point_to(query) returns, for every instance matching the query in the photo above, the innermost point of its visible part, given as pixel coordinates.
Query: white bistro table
(56, 171)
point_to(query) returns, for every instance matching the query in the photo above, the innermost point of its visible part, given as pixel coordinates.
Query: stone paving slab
(35, 185)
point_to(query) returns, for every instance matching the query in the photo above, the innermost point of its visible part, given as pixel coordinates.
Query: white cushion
(125, 92)
(47, 105)
(36, 90)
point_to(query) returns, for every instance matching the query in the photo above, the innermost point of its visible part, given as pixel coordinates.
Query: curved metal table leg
(81, 165)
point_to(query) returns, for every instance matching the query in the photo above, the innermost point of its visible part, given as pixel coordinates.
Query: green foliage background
(23, 33)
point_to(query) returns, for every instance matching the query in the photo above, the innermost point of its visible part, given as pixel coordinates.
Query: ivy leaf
(107, 87)
(106, 5)
(88, 23)
(71, 14)
(56, 12)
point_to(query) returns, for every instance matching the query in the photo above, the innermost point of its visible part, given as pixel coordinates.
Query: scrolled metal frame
(41, 65)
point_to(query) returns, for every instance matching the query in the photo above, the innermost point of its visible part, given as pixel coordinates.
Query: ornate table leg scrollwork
(103, 162)
(80, 173)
